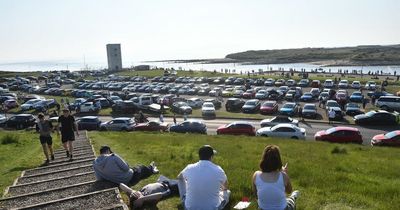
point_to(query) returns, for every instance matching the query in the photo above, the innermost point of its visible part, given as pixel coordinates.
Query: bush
(339, 150)
(9, 139)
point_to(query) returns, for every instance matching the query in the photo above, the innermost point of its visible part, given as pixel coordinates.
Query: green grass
(329, 176)
(19, 150)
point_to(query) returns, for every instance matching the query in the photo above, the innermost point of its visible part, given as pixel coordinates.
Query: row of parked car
(280, 126)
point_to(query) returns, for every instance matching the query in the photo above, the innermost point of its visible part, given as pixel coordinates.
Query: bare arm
(153, 198)
(254, 183)
(288, 184)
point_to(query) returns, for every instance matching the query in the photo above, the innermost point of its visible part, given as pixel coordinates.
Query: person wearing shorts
(68, 126)
(44, 127)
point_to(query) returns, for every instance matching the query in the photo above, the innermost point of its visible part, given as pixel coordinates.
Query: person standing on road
(364, 103)
(184, 116)
(44, 127)
(331, 115)
(161, 118)
(174, 118)
(68, 126)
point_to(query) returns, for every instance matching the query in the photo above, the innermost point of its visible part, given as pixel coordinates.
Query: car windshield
(341, 95)
(330, 130)
(307, 94)
(268, 104)
(251, 103)
(391, 134)
(333, 104)
(208, 105)
(288, 106)
(370, 114)
(357, 93)
(352, 105)
(309, 107)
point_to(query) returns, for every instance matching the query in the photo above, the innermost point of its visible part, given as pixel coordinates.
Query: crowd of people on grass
(201, 186)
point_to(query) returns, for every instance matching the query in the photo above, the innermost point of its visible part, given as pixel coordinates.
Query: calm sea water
(224, 67)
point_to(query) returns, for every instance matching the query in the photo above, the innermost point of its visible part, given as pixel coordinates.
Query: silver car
(118, 124)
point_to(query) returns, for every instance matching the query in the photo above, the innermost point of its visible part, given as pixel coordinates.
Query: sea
(219, 67)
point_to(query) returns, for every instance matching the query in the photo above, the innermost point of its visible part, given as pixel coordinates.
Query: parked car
(261, 94)
(315, 92)
(329, 84)
(280, 82)
(304, 82)
(126, 106)
(343, 84)
(370, 85)
(10, 103)
(250, 93)
(217, 103)
(307, 97)
(357, 96)
(89, 123)
(88, 107)
(189, 126)
(269, 82)
(289, 109)
(20, 121)
(283, 130)
(331, 103)
(3, 120)
(353, 109)
(340, 134)
(269, 107)
(309, 111)
(290, 82)
(389, 139)
(237, 128)
(251, 106)
(234, 104)
(278, 120)
(316, 84)
(195, 102)
(152, 126)
(388, 103)
(208, 110)
(30, 104)
(379, 117)
(181, 108)
(118, 124)
(356, 85)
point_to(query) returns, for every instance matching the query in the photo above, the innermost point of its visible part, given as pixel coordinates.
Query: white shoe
(295, 194)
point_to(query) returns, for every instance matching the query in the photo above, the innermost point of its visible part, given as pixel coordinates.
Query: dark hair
(206, 152)
(40, 115)
(271, 159)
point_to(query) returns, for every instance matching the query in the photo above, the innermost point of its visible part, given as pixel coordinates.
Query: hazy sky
(34, 30)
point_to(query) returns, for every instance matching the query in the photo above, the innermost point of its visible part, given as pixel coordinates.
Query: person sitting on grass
(111, 167)
(272, 183)
(152, 193)
(44, 127)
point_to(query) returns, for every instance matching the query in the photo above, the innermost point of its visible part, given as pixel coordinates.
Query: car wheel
(124, 129)
(264, 135)
(295, 137)
(386, 108)
(103, 128)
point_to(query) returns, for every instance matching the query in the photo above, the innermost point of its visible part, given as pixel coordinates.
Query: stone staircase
(63, 184)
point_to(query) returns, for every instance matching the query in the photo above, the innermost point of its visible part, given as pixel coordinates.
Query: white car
(3, 119)
(343, 84)
(88, 107)
(30, 104)
(329, 83)
(118, 124)
(195, 102)
(370, 85)
(208, 109)
(283, 130)
(356, 84)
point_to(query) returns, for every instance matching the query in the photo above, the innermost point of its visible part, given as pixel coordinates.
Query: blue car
(307, 97)
(357, 96)
(189, 126)
(289, 109)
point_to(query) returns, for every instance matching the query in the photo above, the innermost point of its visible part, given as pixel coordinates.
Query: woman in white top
(272, 183)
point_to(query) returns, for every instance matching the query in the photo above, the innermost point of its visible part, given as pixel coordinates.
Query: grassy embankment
(329, 176)
(19, 150)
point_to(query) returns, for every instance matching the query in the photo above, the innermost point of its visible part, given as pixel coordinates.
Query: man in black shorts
(68, 125)
(44, 127)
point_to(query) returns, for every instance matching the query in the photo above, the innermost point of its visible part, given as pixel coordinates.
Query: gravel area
(51, 184)
(93, 201)
(66, 173)
(66, 160)
(75, 154)
(60, 167)
(52, 195)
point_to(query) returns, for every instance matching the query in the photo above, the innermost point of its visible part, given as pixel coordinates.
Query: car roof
(344, 128)
(241, 122)
(23, 115)
(122, 118)
(285, 125)
(89, 117)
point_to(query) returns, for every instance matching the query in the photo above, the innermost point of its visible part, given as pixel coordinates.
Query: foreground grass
(356, 177)
(16, 155)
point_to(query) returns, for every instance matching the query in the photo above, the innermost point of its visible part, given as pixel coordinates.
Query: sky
(42, 30)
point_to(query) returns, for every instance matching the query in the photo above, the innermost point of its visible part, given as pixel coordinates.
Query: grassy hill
(329, 176)
(360, 55)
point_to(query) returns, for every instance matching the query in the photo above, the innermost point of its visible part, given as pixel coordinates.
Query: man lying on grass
(111, 167)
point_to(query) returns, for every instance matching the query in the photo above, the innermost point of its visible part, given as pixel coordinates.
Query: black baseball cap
(206, 152)
(104, 148)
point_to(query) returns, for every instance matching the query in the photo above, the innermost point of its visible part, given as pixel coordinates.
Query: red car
(269, 107)
(340, 135)
(341, 98)
(151, 126)
(249, 94)
(237, 128)
(11, 103)
(388, 139)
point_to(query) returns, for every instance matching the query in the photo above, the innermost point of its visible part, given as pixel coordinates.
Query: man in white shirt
(203, 185)
(331, 115)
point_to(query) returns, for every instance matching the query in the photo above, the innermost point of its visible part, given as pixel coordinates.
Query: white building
(114, 57)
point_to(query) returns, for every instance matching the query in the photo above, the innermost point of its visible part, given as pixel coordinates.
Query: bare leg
(46, 153)
(50, 147)
(71, 147)
(65, 145)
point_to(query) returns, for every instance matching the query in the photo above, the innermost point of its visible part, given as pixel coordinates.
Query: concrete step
(116, 207)
(95, 200)
(55, 174)
(21, 189)
(55, 194)
(63, 152)
(75, 154)
(64, 159)
(57, 167)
